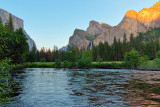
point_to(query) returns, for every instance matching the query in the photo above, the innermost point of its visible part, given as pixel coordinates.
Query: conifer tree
(0, 21)
(124, 44)
(131, 41)
(10, 24)
(94, 53)
(115, 49)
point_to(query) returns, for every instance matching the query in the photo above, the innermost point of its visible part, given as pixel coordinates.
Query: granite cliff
(132, 23)
(17, 23)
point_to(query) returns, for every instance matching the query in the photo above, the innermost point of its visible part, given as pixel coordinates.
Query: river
(49, 87)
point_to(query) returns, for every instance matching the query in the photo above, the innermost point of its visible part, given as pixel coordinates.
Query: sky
(52, 22)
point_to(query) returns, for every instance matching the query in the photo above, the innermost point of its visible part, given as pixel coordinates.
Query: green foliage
(84, 62)
(157, 62)
(42, 60)
(31, 57)
(36, 65)
(5, 85)
(10, 27)
(146, 44)
(144, 60)
(158, 54)
(132, 59)
(0, 21)
(99, 60)
(13, 44)
(72, 54)
(151, 65)
(58, 63)
(67, 64)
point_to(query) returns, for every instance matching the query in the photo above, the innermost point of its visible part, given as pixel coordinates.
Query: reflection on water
(95, 87)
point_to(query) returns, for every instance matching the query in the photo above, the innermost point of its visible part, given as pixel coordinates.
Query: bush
(31, 57)
(158, 54)
(67, 64)
(84, 62)
(132, 59)
(42, 60)
(5, 85)
(57, 63)
(157, 62)
(99, 60)
(144, 60)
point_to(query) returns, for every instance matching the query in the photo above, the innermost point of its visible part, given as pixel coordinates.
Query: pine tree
(124, 44)
(94, 53)
(100, 49)
(0, 21)
(10, 24)
(106, 53)
(119, 50)
(131, 41)
(115, 49)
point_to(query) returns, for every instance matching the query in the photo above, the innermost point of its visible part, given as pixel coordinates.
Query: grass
(109, 65)
(110, 62)
(150, 65)
(36, 65)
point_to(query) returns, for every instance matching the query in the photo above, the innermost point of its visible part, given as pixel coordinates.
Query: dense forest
(146, 44)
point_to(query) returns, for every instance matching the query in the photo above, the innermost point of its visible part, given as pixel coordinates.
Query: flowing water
(51, 87)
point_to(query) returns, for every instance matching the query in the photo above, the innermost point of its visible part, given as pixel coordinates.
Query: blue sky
(52, 22)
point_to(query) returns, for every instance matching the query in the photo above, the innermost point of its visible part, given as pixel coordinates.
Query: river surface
(49, 87)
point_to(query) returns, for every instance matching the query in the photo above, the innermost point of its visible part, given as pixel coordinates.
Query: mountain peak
(156, 6)
(133, 23)
(131, 14)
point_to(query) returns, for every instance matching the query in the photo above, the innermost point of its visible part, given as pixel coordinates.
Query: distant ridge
(132, 23)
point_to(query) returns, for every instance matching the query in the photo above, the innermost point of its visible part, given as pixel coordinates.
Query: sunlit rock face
(132, 14)
(96, 32)
(132, 23)
(79, 39)
(17, 23)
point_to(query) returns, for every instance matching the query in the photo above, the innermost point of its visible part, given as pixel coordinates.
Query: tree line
(13, 43)
(147, 44)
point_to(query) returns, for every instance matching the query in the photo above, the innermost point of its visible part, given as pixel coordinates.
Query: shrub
(42, 60)
(158, 54)
(144, 60)
(84, 62)
(57, 63)
(31, 57)
(132, 59)
(67, 64)
(157, 62)
(4, 80)
(99, 60)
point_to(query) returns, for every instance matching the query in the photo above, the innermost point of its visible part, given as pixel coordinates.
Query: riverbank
(109, 65)
(150, 65)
